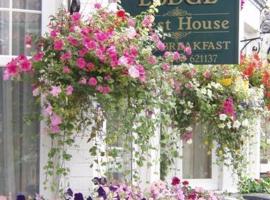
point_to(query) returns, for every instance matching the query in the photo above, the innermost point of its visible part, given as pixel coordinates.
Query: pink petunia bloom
(55, 129)
(100, 89)
(161, 46)
(26, 65)
(76, 17)
(148, 21)
(58, 45)
(176, 56)
(106, 89)
(55, 91)
(152, 60)
(82, 52)
(38, 56)
(228, 108)
(11, 68)
(54, 33)
(131, 22)
(133, 72)
(90, 67)
(92, 81)
(81, 63)
(69, 90)
(66, 70)
(56, 120)
(72, 40)
(89, 44)
(65, 56)
(36, 92)
(101, 36)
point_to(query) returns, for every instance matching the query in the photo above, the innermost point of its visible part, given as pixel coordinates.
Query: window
(19, 138)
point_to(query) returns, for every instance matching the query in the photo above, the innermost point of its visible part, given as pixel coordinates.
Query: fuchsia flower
(66, 56)
(76, 17)
(92, 81)
(55, 91)
(38, 56)
(228, 108)
(58, 45)
(69, 90)
(72, 40)
(81, 63)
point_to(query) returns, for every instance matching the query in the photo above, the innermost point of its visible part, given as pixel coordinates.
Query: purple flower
(20, 197)
(102, 193)
(69, 192)
(78, 196)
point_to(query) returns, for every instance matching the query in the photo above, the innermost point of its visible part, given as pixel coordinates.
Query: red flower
(175, 181)
(121, 14)
(185, 183)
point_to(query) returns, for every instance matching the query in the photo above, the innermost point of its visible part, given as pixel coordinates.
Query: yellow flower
(226, 81)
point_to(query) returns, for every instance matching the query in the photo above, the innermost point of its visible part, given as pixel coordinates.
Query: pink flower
(181, 46)
(90, 67)
(152, 60)
(3, 198)
(161, 46)
(131, 32)
(55, 91)
(72, 40)
(175, 181)
(207, 74)
(36, 92)
(228, 108)
(133, 72)
(106, 90)
(28, 41)
(82, 52)
(148, 21)
(188, 51)
(166, 67)
(48, 110)
(123, 60)
(97, 5)
(92, 81)
(55, 129)
(58, 45)
(56, 120)
(12, 68)
(76, 17)
(81, 63)
(83, 81)
(100, 89)
(101, 36)
(187, 136)
(26, 65)
(38, 56)
(69, 90)
(66, 70)
(89, 44)
(65, 56)
(176, 56)
(54, 33)
(131, 22)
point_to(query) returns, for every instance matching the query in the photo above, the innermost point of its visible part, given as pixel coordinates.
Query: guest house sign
(210, 27)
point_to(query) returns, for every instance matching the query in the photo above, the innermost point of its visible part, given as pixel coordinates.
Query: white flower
(210, 94)
(229, 124)
(190, 104)
(221, 126)
(189, 141)
(236, 124)
(123, 61)
(189, 129)
(182, 102)
(131, 32)
(203, 91)
(222, 117)
(187, 112)
(245, 123)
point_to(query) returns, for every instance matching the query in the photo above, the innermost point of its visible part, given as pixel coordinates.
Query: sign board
(210, 27)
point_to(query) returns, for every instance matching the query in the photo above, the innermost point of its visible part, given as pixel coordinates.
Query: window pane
(196, 158)
(24, 24)
(27, 4)
(4, 32)
(4, 3)
(19, 139)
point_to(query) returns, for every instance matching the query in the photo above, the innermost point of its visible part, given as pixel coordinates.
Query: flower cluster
(220, 99)
(158, 190)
